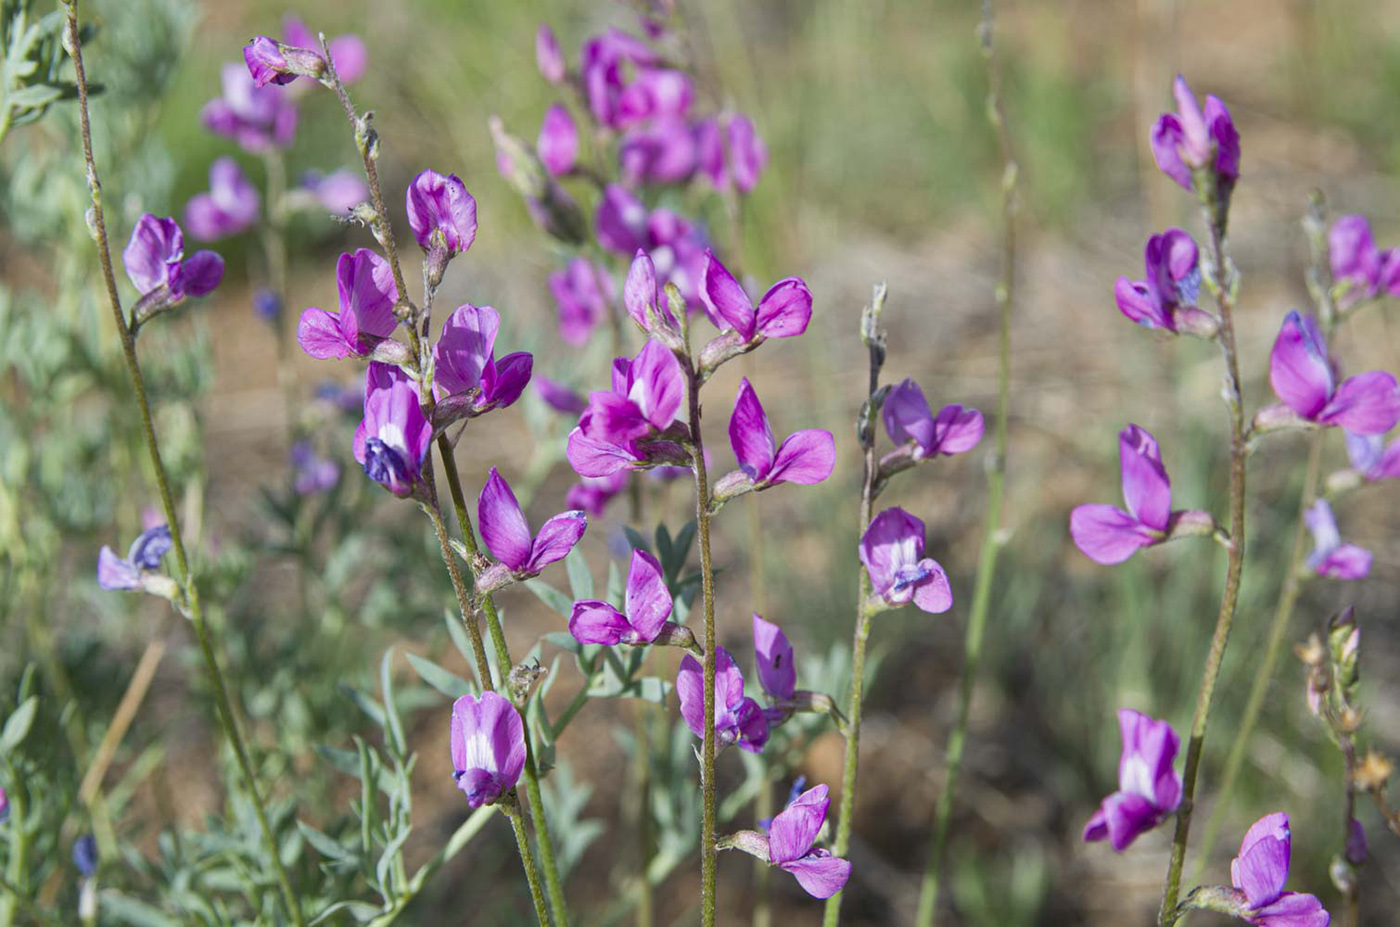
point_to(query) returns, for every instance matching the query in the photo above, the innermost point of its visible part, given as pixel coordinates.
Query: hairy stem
(527, 859)
(184, 576)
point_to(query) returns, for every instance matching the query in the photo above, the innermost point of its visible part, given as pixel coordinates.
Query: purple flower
(338, 192)
(624, 226)
(270, 63)
(156, 264)
(557, 144)
(791, 838)
(740, 156)
(1149, 787)
(365, 284)
(660, 151)
(776, 671)
(654, 93)
(464, 359)
(1166, 300)
(1357, 261)
(85, 855)
(645, 302)
(738, 718)
(258, 118)
(394, 435)
(1305, 378)
(908, 418)
(783, 312)
(144, 556)
(593, 493)
(488, 747)
(348, 52)
(893, 551)
(1187, 139)
(1261, 871)
(648, 605)
(1107, 534)
(559, 397)
(613, 431)
(606, 60)
(1372, 457)
(804, 457)
(230, 206)
(441, 206)
(547, 55)
(268, 305)
(1357, 851)
(507, 535)
(583, 291)
(312, 474)
(1330, 557)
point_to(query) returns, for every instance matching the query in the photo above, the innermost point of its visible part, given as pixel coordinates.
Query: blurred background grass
(882, 167)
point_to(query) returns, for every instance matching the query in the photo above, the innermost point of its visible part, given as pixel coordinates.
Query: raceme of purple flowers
(1192, 139)
(1358, 263)
(1107, 534)
(1149, 787)
(144, 556)
(156, 264)
(1260, 872)
(647, 606)
(738, 718)
(488, 747)
(893, 552)
(394, 435)
(1304, 376)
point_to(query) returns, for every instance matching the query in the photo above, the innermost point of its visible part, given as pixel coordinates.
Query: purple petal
(1323, 525)
(1352, 250)
(1122, 818)
(1167, 136)
(504, 529)
(1261, 869)
(1227, 143)
(114, 573)
(690, 692)
(1299, 368)
(155, 244)
(506, 379)
(488, 736)
(547, 55)
(725, 300)
(1292, 909)
(556, 538)
(559, 397)
(820, 876)
(805, 458)
(648, 600)
(620, 221)
(785, 309)
(466, 344)
(750, 434)
(1146, 488)
(1136, 302)
(441, 204)
(1107, 534)
(613, 418)
(776, 671)
(795, 828)
(339, 192)
(1345, 562)
(1368, 404)
(1364, 451)
(657, 384)
(1146, 767)
(894, 539)
(557, 144)
(320, 336)
(907, 415)
(591, 457)
(639, 291)
(367, 292)
(198, 276)
(150, 547)
(956, 430)
(594, 622)
(747, 153)
(932, 593)
(1195, 134)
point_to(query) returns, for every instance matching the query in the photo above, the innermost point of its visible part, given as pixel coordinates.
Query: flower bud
(548, 57)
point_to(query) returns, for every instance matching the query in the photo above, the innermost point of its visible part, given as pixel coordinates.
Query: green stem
(996, 479)
(17, 877)
(185, 577)
(527, 859)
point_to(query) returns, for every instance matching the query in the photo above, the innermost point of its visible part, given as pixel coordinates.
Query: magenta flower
(441, 207)
(270, 62)
(1107, 534)
(1261, 871)
(792, 836)
(583, 291)
(593, 493)
(507, 535)
(647, 304)
(1166, 300)
(559, 397)
(464, 360)
(654, 93)
(488, 747)
(557, 144)
(548, 56)
(394, 436)
(624, 226)
(312, 474)
(258, 118)
(804, 457)
(1305, 378)
(230, 206)
(648, 605)
(893, 551)
(1189, 138)
(776, 671)
(738, 718)
(1372, 457)
(908, 418)
(1330, 557)
(620, 427)
(348, 52)
(1357, 261)
(783, 312)
(365, 284)
(606, 61)
(1149, 787)
(741, 156)
(146, 552)
(661, 151)
(156, 264)
(338, 192)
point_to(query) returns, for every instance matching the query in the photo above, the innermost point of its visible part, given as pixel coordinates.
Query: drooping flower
(1330, 557)
(1166, 300)
(258, 118)
(660, 151)
(1372, 457)
(156, 264)
(623, 427)
(1189, 139)
(647, 606)
(559, 397)
(792, 836)
(229, 207)
(907, 417)
(338, 192)
(348, 52)
(593, 493)
(557, 144)
(783, 312)
(464, 360)
(271, 62)
(1304, 376)
(144, 557)
(1149, 787)
(394, 435)
(730, 149)
(312, 474)
(1260, 872)
(441, 207)
(547, 55)
(488, 747)
(507, 535)
(893, 551)
(805, 457)
(583, 292)
(738, 718)
(365, 284)
(776, 671)
(1107, 534)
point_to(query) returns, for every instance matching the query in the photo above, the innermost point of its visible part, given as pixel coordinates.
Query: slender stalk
(874, 339)
(527, 859)
(708, 852)
(1351, 894)
(184, 575)
(1239, 455)
(996, 479)
(17, 874)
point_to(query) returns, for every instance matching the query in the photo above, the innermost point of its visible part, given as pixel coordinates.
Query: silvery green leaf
(443, 680)
(18, 724)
